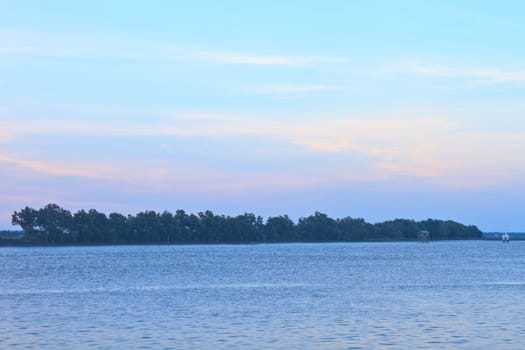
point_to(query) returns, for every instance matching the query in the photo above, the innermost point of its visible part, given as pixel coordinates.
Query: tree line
(53, 224)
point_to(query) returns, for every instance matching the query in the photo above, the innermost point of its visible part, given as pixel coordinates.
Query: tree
(167, 226)
(146, 227)
(279, 229)
(354, 229)
(91, 226)
(56, 223)
(27, 219)
(118, 228)
(318, 227)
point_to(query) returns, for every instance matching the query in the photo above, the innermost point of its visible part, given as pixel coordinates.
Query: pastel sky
(373, 109)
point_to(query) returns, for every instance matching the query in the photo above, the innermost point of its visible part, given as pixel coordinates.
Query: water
(441, 295)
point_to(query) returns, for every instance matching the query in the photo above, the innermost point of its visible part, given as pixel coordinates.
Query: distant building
(423, 236)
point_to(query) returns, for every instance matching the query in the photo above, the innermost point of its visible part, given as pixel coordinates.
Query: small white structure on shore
(505, 238)
(423, 236)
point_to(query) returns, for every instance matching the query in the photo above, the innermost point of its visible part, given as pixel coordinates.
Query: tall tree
(27, 219)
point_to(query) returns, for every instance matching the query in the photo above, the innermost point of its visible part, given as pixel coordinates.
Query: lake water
(441, 295)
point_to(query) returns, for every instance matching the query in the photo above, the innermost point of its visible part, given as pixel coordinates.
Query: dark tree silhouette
(55, 225)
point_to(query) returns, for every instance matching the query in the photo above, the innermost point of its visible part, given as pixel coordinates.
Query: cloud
(292, 89)
(5, 50)
(150, 176)
(490, 20)
(398, 144)
(23, 44)
(58, 168)
(27, 44)
(255, 59)
(475, 74)
(6, 134)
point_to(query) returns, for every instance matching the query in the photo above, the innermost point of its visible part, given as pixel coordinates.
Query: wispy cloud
(411, 144)
(6, 133)
(479, 75)
(255, 59)
(27, 44)
(149, 176)
(5, 136)
(491, 20)
(4, 50)
(292, 89)
(22, 44)
(57, 168)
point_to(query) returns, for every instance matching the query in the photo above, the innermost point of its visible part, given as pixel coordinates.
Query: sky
(369, 109)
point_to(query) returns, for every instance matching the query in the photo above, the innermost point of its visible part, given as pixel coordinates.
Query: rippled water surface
(441, 295)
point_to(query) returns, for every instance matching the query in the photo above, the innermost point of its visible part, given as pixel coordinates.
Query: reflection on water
(446, 295)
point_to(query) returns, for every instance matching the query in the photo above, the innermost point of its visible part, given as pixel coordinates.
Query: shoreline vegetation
(54, 225)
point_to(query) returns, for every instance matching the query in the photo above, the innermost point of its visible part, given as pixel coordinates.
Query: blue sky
(373, 109)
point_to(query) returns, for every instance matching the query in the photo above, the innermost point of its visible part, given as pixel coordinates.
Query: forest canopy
(53, 224)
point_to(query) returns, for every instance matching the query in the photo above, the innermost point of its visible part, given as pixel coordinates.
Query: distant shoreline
(4, 243)
(53, 225)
